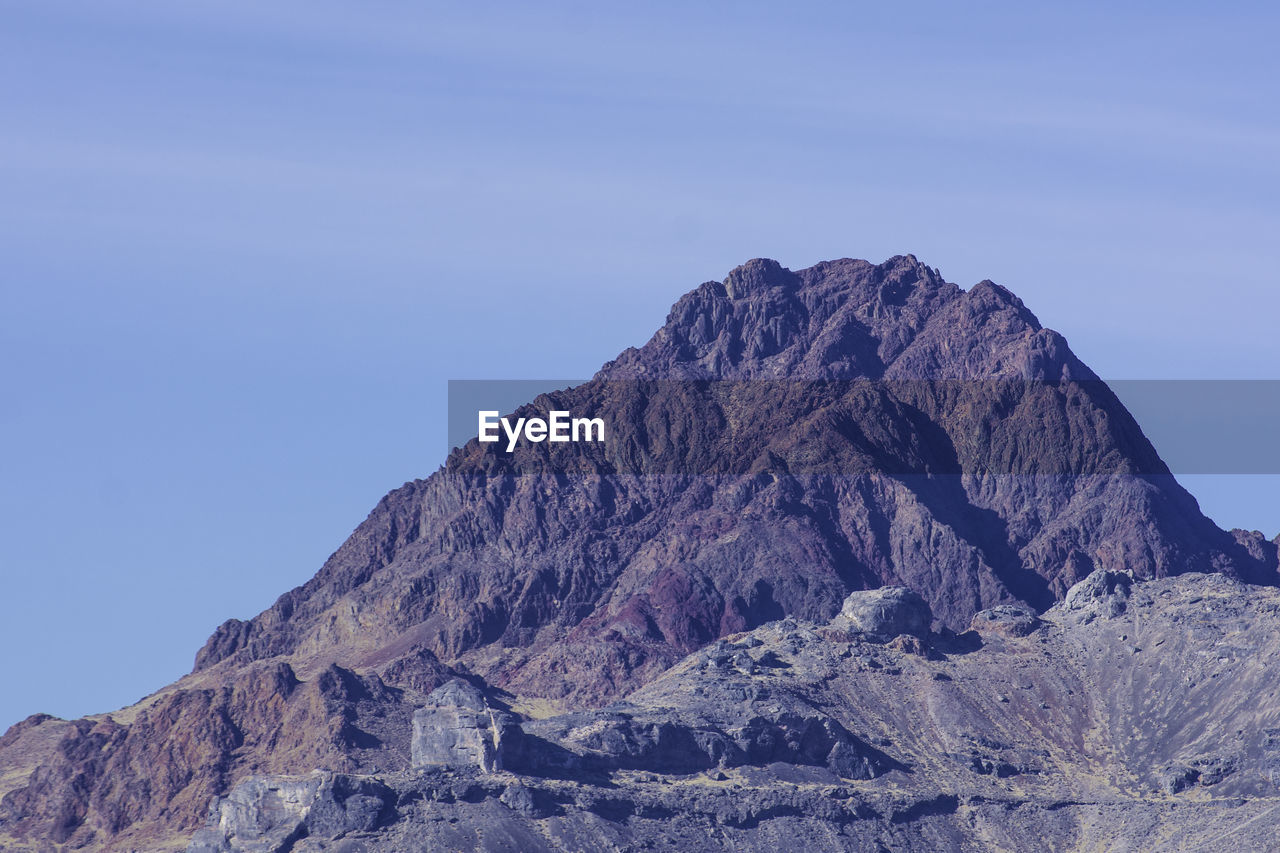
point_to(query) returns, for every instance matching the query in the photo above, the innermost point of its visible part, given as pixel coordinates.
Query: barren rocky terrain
(1133, 716)
(867, 559)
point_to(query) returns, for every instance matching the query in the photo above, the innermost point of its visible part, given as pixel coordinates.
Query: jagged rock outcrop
(786, 439)
(1102, 594)
(272, 814)
(459, 728)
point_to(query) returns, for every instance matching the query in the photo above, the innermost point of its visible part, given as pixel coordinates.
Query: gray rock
(884, 613)
(529, 802)
(266, 814)
(1103, 594)
(1177, 777)
(458, 728)
(1214, 768)
(847, 760)
(348, 804)
(456, 693)
(260, 815)
(1007, 620)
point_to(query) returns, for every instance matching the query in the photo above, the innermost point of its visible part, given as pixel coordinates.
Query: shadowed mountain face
(785, 439)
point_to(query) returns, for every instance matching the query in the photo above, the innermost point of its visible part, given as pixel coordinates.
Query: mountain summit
(785, 440)
(849, 319)
(752, 473)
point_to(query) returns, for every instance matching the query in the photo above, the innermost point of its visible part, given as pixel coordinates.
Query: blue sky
(246, 245)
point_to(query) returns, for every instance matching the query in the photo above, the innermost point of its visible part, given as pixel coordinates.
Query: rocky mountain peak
(757, 276)
(935, 444)
(847, 319)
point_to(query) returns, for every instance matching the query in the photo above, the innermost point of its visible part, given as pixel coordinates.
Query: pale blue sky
(245, 245)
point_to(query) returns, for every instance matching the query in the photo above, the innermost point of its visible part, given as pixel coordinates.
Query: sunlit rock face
(458, 728)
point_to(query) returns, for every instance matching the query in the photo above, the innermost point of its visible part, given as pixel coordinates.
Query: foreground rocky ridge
(1134, 715)
(869, 425)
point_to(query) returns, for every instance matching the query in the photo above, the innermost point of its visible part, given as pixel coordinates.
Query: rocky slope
(786, 438)
(1134, 715)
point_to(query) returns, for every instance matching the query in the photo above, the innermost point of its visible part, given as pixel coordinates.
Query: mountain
(785, 440)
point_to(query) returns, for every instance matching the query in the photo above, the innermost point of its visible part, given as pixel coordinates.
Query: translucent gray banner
(892, 426)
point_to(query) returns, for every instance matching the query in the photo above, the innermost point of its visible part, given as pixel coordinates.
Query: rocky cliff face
(785, 439)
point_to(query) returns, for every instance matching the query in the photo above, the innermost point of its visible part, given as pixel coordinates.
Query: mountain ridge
(763, 321)
(578, 576)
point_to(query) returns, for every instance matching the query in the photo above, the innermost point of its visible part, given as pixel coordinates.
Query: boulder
(1103, 594)
(882, 614)
(1006, 620)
